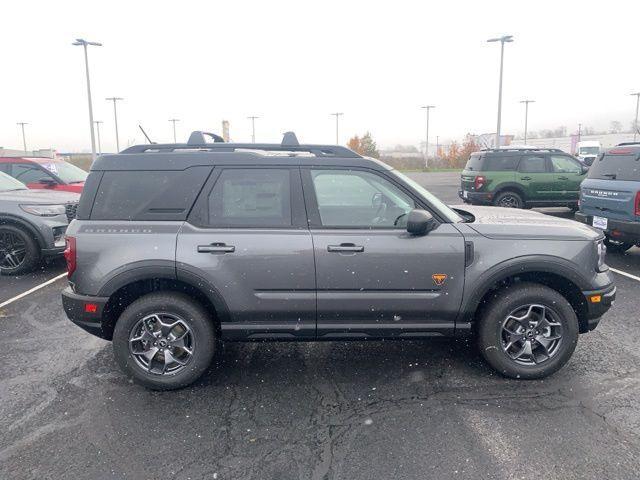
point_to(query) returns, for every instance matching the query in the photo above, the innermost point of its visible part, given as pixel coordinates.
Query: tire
(615, 246)
(13, 240)
(513, 301)
(139, 321)
(508, 199)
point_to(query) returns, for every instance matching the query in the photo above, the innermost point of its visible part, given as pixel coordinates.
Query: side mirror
(420, 222)
(47, 183)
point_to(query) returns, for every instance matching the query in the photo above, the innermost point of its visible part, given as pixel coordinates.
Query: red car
(41, 172)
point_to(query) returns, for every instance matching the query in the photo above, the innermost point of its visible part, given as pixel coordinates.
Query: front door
(373, 278)
(536, 178)
(568, 176)
(247, 240)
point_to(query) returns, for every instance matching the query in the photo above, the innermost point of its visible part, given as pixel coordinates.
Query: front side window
(30, 173)
(532, 164)
(357, 199)
(562, 164)
(248, 197)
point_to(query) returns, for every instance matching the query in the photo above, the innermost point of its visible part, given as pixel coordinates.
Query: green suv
(522, 177)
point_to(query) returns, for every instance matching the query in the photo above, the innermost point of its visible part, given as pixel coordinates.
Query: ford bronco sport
(176, 246)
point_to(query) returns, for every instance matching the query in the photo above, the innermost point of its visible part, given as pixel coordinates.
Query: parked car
(44, 173)
(32, 224)
(522, 177)
(178, 245)
(610, 196)
(588, 151)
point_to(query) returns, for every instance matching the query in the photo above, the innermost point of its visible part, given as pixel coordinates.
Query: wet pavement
(338, 410)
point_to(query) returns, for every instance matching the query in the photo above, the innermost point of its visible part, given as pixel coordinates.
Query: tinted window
(563, 164)
(474, 163)
(251, 198)
(616, 167)
(357, 199)
(148, 195)
(500, 164)
(532, 165)
(29, 173)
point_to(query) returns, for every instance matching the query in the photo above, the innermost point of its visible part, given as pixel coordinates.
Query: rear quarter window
(148, 195)
(616, 167)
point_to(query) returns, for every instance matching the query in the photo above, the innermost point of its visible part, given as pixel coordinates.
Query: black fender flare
(32, 229)
(510, 186)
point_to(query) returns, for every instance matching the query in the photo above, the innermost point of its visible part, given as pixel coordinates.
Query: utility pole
(437, 146)
(115, 115)
(337, 115)
(174, 120)
(253, 127)
(635, 123)
(85, 44)
(579, 131)
(504, 39)
(526, 116)
(98, 122)
(426, 142)
(24, 139)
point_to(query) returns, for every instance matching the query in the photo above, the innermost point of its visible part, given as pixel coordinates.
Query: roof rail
(289, 145)
(627, 144)
(522, 149)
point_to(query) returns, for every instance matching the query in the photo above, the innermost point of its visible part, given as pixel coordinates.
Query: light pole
(504, 39)
(174, 120)
(579, 131)
(337, 115)
(24, 139)
(115, 115)
(526, 116)
(98, 122)
(426, 143)
(85, 44)
(253, 128)
(635, 123)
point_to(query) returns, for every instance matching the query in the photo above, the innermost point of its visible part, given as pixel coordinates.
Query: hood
(506, 223)
(40, 196)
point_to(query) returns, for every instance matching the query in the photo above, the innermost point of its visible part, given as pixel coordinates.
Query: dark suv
(522, 177)
(175, 246)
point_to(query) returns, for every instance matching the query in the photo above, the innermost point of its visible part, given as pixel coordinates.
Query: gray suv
(176, 246)
(32, 224)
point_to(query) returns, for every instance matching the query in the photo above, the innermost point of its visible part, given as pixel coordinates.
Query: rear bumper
(477, 198)
(85, 311)
(617, 229)
(596, 309)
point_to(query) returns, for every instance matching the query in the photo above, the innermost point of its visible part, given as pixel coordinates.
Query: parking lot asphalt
(337, 410)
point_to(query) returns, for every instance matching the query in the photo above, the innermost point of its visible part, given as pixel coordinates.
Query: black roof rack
(521, 149)
(289, 144)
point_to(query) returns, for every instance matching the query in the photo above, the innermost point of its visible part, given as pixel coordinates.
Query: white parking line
(31, 290)
(619, 272)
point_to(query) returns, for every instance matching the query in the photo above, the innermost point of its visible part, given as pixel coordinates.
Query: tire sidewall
(509, 192)
(32, 257)
(506, 301)
(196, 318)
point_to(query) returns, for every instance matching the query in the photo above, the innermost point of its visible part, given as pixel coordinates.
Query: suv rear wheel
(19, 252)
(508, 199)
(529, 331)
(164, 340)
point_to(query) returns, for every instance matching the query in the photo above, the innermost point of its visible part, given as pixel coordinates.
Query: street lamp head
(527, 101)
(503, 39)
(82, 41)
(428, 106)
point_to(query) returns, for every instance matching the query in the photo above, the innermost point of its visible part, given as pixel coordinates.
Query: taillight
(637, 204)
(70, 254)
(479, 182)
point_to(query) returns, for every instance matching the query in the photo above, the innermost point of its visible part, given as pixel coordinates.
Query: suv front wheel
(19, 251)
(164, 340)
(528, 331)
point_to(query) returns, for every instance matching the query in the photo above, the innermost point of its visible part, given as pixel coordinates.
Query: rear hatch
(471, 171)
(612, 188)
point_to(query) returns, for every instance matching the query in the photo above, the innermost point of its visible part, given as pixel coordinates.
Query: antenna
(145, 134)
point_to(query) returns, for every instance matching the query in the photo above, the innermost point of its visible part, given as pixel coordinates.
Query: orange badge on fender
(439, 278)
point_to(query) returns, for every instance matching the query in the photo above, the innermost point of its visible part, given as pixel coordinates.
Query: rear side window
(500, 164)
(616, 167)
(532, 164)
(474, 163)
(148, 195)
(251, 198)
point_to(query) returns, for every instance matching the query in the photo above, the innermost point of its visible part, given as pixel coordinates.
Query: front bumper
(86, 312)
(616, 229)
(476, 198)
(598, 302)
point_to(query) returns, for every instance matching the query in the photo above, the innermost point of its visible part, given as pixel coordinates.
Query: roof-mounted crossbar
(521, 149)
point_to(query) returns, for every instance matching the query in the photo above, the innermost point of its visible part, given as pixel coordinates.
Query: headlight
(602, 252)
(44, 210)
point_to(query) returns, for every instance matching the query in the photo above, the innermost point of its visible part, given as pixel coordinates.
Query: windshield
(589, 150)
(8, 183)
(434, 201)
(616, 167)
(66, 172)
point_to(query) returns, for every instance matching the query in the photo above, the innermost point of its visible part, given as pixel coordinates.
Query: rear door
(536, 178)
(247, 240)
(568, 176)
(373, 278)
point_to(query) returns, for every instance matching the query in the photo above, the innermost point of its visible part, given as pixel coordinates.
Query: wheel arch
(26, 225)
(510, 187)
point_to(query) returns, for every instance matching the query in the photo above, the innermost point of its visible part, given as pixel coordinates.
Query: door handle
(563, 178)
(525, 178)
(345, 247)
(216, 248)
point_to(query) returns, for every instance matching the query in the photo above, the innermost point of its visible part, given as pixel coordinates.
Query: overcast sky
(293, 63)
